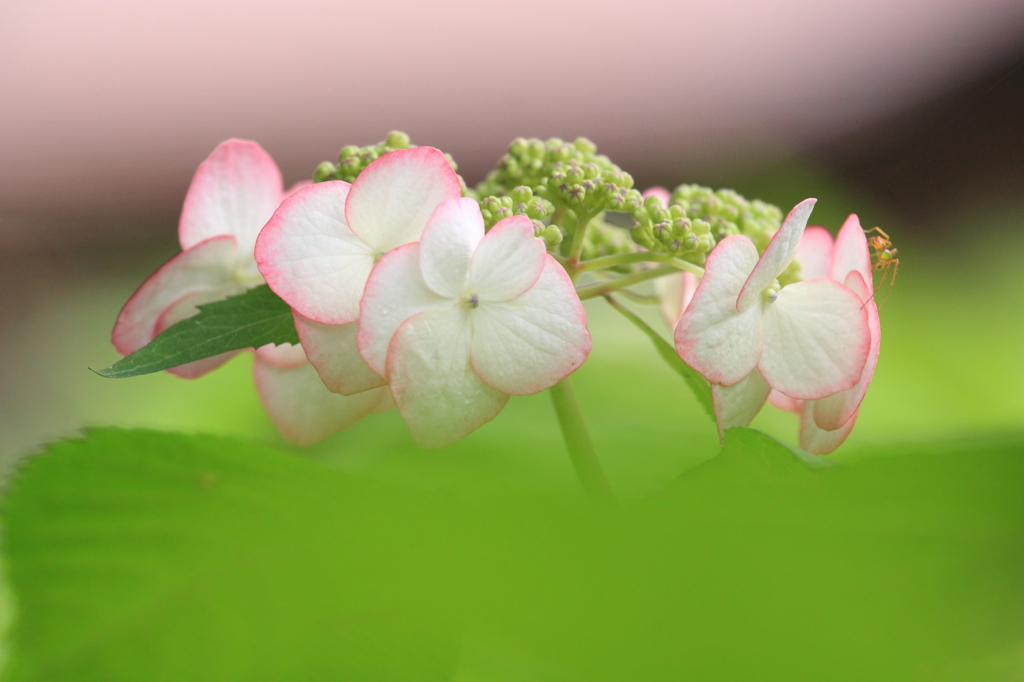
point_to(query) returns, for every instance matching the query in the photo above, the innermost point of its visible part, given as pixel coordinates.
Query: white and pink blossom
(746, 334)
(233, 194)
(826, 422)
(461, 320)
(319, 248)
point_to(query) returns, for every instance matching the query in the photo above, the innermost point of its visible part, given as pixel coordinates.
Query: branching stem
(606, 262)
(602, 288)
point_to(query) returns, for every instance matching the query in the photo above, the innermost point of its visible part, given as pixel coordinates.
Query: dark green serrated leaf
(249, 320)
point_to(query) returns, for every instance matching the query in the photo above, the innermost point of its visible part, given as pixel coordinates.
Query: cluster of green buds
(697, 218)
(521, 201)
(669, 229)
(352, 159)
(569, 175)
(727, 212)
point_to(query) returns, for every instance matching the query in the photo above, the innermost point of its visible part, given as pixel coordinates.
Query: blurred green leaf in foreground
(136, 555)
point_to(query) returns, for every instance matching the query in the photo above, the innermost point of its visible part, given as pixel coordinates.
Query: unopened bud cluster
(352, 159)
(726, 213)
(568, 174)
(568, 177)
(697, 218)
(521, 201)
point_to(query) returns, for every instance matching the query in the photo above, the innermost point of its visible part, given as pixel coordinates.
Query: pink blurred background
(107, 107)
(910, 113)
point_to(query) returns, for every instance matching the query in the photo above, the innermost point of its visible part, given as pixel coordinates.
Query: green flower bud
(347, 151)
(522, 195)
(552, 236)
(518, 146)
(325, 171)
(396, 139)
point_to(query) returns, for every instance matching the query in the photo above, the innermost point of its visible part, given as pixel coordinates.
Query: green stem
(602, 288)
(581, 448)
(606, 262)
(577, 238)
(696, 382)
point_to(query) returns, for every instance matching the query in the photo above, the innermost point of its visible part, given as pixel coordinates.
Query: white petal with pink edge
(394, 292)
(674, 293)
(447, 245)
(332, 350)
(433, 382)
(851, 252)
(831, 412)
(394, 197)
(815, 254)
(712, 336)
(205, 269)
(508, 261)
(818, 441)
(310, 257)
(302, 409)
(816, 339)
(778, 255)
(737, 405)
(784, 402)
(234, 191)
(528, 344)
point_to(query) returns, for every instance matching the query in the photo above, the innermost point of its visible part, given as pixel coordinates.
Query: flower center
(472, 301)
(772, 292)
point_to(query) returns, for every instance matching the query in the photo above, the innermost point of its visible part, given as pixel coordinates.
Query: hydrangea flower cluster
(409, 290)
(233, 194)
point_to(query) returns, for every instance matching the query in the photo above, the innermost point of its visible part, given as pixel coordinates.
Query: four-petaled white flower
(461, 320)
(825, 423)
(233, 194)
(747, 335)
(322, 243)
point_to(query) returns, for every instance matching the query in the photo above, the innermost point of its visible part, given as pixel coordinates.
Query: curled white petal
(448, 243)
(777, 256)
(713, 337)
(737, 405)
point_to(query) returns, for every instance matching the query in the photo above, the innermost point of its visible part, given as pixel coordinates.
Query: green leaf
(148, 556)
(698, 384)
(248, 320)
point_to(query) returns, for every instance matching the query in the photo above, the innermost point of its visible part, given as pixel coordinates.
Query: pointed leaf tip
(251, 319)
